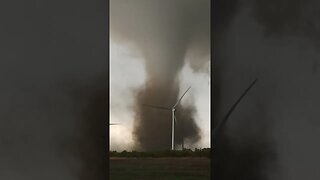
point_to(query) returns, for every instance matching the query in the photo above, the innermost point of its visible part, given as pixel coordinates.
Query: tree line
(201, 152)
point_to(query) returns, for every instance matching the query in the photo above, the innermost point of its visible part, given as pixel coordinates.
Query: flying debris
(174, 119)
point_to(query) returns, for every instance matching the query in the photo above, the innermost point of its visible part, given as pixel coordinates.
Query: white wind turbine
(172, 109)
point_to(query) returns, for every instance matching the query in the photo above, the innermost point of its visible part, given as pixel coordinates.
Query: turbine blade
(224, 120)
(156, 107)
(181, 98)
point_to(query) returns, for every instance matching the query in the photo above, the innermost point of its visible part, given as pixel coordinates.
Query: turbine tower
(173, 116)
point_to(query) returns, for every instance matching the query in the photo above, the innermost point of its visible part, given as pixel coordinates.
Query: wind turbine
(172, 109)
(224, 120)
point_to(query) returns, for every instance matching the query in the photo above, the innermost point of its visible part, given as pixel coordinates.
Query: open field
(173, 168)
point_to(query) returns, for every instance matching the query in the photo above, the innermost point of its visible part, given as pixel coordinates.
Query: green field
(173, 168)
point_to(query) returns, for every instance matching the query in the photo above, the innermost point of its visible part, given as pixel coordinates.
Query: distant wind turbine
(172, 109)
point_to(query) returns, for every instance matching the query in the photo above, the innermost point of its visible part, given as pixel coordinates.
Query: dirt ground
(186, 168)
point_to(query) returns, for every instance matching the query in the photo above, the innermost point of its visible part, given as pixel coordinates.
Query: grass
(205, 152)
(162, 168)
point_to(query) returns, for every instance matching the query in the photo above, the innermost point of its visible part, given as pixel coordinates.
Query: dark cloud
(288, 18)
(271, 134)
(53, 76)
